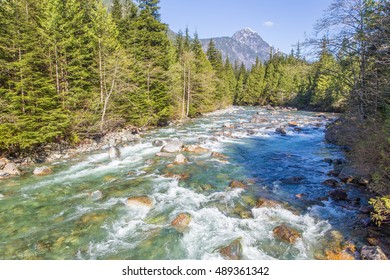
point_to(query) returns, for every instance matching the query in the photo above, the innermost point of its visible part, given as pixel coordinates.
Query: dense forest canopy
(76, 69)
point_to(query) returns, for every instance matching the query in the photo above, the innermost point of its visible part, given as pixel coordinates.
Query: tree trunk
(184, 93)
(188, 90)
(101, 72)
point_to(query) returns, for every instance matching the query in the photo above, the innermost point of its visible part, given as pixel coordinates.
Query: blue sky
(280, 22)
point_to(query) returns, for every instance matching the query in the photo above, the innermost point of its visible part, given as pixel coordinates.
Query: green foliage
(381, 213)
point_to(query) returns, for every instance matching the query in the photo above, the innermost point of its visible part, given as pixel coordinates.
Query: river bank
(248, 180)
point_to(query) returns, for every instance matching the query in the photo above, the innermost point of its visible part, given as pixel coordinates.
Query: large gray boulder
(11, 169)
(173, 146)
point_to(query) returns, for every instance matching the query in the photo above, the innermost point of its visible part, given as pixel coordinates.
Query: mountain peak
(244, 46)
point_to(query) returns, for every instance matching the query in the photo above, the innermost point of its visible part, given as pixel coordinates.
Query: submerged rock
(11, 169)
(338, 195)
(181, 222)
(4, 175)
(233, 251)
(114, 153)
(162, 154)
(139, 201)
(268, 203)
(158, 143)
(42, 171)
(194, 149)
(331, 183)
(173, 146)
(281, 131)
(237, 185)
(218, 155)
(293, 180)
(96, 195)
(286, 234)
(373, 253)
(180, 159)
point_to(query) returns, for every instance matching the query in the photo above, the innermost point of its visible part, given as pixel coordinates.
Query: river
(55, 217)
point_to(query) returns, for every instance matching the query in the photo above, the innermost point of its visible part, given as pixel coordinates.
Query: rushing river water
(54, 217)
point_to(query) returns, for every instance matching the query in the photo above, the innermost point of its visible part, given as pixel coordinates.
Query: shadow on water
(291, 169)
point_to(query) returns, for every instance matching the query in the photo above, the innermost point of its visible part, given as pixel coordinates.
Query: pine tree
(32, 115)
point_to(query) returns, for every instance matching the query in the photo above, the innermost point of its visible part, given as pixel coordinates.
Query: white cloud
(269, 24)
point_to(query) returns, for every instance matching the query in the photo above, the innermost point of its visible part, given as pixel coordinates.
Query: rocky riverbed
(243, 183)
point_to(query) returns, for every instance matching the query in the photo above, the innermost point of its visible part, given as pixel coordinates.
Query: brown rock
(180, 159)
(181, 222)
(300, 195)
(342, 255)
(286, 234)
(3, 162)
(218, 155)
(233, 251)
(267, 203)
(139, 201)
(338, 195)
(331, 183)
(11, 169)
(237, 185)
(194, 149)
(293, 124)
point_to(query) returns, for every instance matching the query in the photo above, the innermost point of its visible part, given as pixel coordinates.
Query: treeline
(74, 69)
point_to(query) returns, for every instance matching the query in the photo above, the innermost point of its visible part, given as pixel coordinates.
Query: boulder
(194, 149)
(158, 143)
(237, 185)
(96, 195)
(293, 180)
(331, 183)
(281, 131)
(180, 159)
(218, 155)
(3, 162)
(267, 203)
(181, 222)
(293, 124)
(348, 174)
(173, 146)
(338, 195)
(114, 153)
(11, 169)
(233, 251)
(372, 253)
(42, 171)
(286, 234)
(300, 195)
(1, 196)
(139, 201)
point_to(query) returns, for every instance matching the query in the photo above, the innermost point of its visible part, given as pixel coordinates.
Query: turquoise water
(54, 217)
